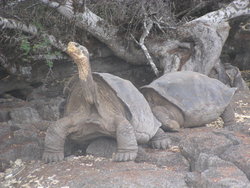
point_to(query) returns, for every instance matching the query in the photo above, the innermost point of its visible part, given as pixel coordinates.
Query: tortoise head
(80, 56)
(76, 50)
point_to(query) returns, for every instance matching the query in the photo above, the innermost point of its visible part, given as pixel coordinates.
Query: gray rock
(162, 158)
(24, 115)
(206, 161)
(22, 136)
(217, 173)
(19, 138)
(240, 156)
(4, 115)
(49, 109)
(25, 151)
(204, 142)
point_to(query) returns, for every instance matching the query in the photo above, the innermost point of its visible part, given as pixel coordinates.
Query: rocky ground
(208, 156)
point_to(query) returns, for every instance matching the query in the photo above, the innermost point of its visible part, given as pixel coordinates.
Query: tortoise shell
(200, 98)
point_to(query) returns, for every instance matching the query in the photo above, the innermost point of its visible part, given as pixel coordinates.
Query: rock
(239, 155)
(22, 136)
(94, 172)
(49, 108)
(25, 151)
(168, 159)
(19, 138)
(242, 128)
(217, 173)
(5, 140)
(193, 180)
(205, 142)
(24, 115)
(4, 115)
(7, 105)
(5, 130)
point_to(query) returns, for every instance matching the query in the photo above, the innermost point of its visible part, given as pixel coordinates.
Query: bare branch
(147, 27)
(234, 9)
(13, 24)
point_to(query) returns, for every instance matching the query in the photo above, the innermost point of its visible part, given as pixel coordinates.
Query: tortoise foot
(49, 157)
(160, 140)
(124, 156)
(160, 144)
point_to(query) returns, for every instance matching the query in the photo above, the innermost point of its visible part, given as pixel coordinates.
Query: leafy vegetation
(25, 46)
(40, 47)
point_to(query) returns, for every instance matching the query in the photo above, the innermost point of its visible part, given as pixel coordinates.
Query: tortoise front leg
(126, 141)
(228, 116)
(56, 135)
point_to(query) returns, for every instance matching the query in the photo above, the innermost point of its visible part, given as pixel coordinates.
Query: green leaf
(25, 46)
(49, 63)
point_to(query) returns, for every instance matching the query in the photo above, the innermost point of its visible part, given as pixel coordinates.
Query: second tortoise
(189, 99)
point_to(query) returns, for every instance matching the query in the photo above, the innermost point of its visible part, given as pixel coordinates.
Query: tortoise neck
(83, 65)
(89, 88)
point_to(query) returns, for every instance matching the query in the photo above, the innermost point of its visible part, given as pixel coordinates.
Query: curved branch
(147, 28)
(234, 9)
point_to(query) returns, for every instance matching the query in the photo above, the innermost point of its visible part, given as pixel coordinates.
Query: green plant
(25, 46)
(42, 47)
(38, 25)
(49, 63)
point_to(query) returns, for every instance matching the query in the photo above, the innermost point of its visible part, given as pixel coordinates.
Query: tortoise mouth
(72, 48)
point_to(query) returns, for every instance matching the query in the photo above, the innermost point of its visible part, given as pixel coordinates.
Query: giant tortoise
(103, 105)
(189, 99)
